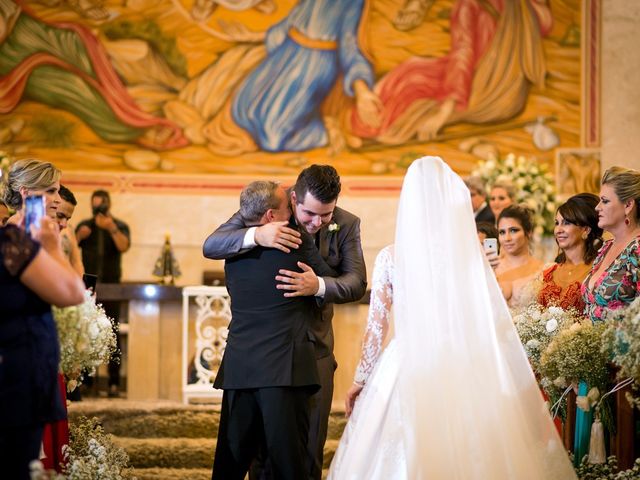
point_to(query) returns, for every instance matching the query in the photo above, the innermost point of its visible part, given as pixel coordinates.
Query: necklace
(570, 270)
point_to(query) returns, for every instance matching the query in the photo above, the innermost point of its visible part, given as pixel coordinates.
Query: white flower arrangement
(91, 455)
(537, 326)
(576, 353)
(333, 227)
(87, 339)
(535, 186)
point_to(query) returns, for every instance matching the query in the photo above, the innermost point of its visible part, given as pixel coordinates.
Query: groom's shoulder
(342, 216)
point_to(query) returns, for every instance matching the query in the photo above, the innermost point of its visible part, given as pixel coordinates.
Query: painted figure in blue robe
(279, 102)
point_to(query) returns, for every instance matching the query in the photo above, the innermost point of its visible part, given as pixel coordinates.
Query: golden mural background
(188, 69)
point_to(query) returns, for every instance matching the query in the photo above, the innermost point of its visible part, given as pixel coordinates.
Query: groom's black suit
(269, 369)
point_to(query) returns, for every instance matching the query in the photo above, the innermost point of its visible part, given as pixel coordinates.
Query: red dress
(55, 436)
(569, 297)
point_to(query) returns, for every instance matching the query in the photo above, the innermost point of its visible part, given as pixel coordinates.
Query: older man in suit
(268, 372)
(337, 236)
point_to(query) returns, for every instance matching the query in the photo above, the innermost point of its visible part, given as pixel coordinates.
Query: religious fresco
(265, 87)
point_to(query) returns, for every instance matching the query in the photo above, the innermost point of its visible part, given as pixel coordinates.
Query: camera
(103, 208)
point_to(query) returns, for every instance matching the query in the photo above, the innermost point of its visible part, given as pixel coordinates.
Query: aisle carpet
(171, 441)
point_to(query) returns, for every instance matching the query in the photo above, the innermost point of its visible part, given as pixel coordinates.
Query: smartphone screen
(34, 209)
(490, 245)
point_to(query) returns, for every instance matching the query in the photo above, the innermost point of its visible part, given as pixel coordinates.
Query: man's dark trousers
(275, 419)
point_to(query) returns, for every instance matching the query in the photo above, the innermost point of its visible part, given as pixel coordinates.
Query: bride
(452, 396)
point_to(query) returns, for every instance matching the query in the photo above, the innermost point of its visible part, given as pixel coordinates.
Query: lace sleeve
(379, 312)
(17, 250)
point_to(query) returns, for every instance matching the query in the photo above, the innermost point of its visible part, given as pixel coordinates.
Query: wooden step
(172, 473)
(168, 452)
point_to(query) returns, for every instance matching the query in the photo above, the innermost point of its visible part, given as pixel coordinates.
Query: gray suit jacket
(341, 249)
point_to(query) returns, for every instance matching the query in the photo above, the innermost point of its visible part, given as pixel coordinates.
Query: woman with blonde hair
(31, 177)
(501, 196)
(614, 279)
(34, 274)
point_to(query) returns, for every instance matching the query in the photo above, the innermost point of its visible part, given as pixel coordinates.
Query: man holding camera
(103, 240)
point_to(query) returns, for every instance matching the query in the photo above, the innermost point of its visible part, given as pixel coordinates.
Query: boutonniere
(333, 227)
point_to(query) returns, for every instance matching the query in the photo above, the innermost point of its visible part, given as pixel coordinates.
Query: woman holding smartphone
(517, 268)
(32, 177)
(34, 274)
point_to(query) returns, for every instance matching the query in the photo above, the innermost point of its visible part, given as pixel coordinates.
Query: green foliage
(149, 31)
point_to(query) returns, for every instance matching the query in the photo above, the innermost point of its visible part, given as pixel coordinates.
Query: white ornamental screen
(206, 313)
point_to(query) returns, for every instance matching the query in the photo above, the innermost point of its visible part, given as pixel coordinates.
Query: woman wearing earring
(517, 268)
(578, 237)
(614, 279)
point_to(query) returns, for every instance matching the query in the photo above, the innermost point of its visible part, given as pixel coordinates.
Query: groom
(337, 234)
(268, 371)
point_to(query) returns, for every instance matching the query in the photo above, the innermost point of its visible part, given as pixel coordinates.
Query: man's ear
(293, 196)
(268, 215)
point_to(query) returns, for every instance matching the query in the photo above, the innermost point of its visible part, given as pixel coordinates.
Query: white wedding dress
(452, 396)
(376, 423)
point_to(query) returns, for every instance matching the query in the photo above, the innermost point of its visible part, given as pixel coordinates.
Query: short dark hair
(487, 228)
(521, 213)
(321, 181)
(102, 194)
(67, 195)
(580, 210)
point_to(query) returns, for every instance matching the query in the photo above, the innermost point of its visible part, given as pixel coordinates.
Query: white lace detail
(379, 313)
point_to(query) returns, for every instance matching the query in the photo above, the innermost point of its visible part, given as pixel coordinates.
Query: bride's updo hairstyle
(30, 174)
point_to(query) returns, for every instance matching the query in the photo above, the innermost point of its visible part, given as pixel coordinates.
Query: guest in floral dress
(614, 279)
(578, 237)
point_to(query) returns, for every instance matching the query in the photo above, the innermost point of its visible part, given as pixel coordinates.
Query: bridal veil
(469, 399)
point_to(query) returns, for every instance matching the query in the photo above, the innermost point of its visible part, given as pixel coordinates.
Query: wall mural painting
(264, 87)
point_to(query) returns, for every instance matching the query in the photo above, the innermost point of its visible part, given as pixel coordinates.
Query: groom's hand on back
(277, 235)
(298, 284)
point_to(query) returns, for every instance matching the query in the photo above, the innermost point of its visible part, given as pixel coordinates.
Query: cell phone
(490, 245)
(34, 210)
